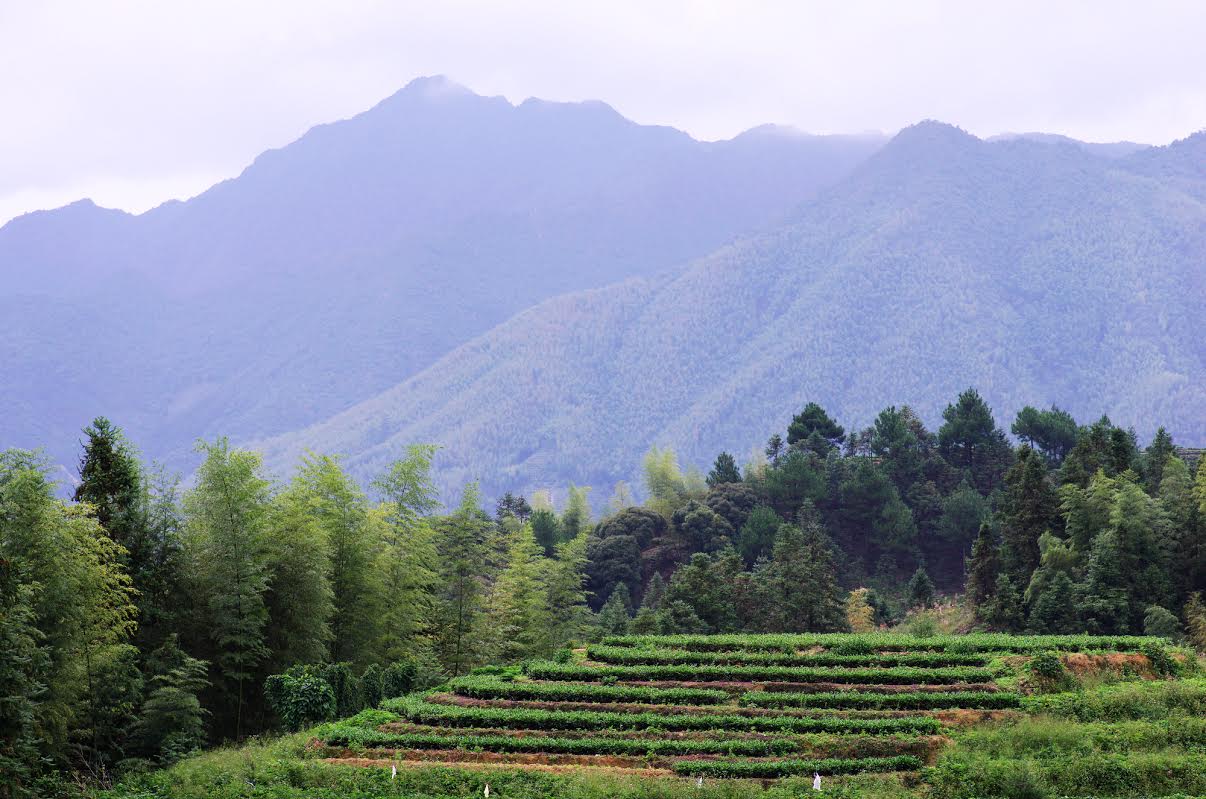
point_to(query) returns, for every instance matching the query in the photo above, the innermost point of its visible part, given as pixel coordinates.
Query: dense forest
(146, 618)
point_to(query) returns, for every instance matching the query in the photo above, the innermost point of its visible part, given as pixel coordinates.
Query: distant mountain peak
(436, 87)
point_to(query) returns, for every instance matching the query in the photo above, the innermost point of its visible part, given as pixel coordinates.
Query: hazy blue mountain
(334, 267)
(1039, 272)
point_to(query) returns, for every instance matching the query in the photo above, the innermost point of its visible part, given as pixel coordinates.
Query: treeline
(141, 621)
(1075, 530)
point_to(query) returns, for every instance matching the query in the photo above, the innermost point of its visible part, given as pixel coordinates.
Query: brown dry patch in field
(1082, 664)
(366, 762)
(965, 718)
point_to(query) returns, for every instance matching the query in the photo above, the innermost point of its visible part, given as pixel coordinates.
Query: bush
(300, 697)
(771, 769)
(982, 700)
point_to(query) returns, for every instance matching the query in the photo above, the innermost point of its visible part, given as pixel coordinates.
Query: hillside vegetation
(1036, 271)
(991, 716)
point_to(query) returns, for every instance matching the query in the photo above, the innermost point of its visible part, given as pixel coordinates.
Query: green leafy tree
(1154, 460)
(23, 667)
(724, 470)
(410, 551)
(1054, 611)
(706, 584)
(72, 599)
(230, 558)
(1181, 541)
(576, 518)
(547, 529)
(462, 544)
(566, 582)
(1162, 623)
(110, 482)
(299, 599)
(664, 481)
(1005, 612)
(733, 501)
(611, 561)
(700, 528)
(341, 510)
(871, 520)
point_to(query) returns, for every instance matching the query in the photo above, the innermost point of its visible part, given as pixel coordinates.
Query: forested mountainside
(1037, 271)
(352, 258)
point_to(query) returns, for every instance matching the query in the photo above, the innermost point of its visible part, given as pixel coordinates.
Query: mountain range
(546, 290)
(351, 259)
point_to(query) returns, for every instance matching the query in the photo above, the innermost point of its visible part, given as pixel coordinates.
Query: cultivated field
(746, 706)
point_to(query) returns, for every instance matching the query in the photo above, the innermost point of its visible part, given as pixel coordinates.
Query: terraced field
(749, 706)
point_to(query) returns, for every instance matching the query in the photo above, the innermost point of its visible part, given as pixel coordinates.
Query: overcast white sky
(132, 103)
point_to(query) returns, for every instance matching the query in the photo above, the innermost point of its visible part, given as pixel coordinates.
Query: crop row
(627, 655)
(422, 712)
(845, 643)
(977, 700)
(901, 675)
(573, 746)
(770, 769)
(493, 688)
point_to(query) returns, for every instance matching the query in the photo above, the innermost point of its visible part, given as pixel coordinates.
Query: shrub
(984, 700)
(300, 697)
(769, 769)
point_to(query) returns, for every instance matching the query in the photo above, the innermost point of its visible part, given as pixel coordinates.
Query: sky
(132, 103)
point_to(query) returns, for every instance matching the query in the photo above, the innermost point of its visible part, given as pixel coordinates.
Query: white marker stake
(816, 780)
(699, 782)
(393, 772)
(487, 791)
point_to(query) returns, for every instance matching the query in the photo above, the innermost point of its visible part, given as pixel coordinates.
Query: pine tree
(171, 723)
(109, 482)
(806, 596)
(566, 580)
(229, 551)
(655, 593)
(1054, 612)
(613, 618)
(518, 615)
(1195, 621)
(1004, 611)
(970, 440)
(920, 589)
(1028, 509)
(577, 517)
(982, 569)
(724, 471)
(1155, 458)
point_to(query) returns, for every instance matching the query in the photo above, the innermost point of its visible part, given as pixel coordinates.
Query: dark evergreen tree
(705, 584)
(982, 569)
(970, 440)
(724, 470)
(1004, 612)
(611, 561)
(616, 611)
(813, 425)
(1053, 432)
(801, 589)
(1155, 458)
(920, 589)
(700, 529)
(511, 506)
(1028, 509)
(1054, 613)
(757, 535)
(546, 527)
(733, 501)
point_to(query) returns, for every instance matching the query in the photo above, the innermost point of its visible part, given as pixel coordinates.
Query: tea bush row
(972, 700)
(770, 769)
(901, 675)
(492, 688)
(643, 656)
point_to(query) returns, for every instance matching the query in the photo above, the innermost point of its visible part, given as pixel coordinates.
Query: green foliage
(983, 700)
(300, 697)
(920, 589)
(724, 470)
(491, 688)
(229, 552)
(900, 675)
(626, 655)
